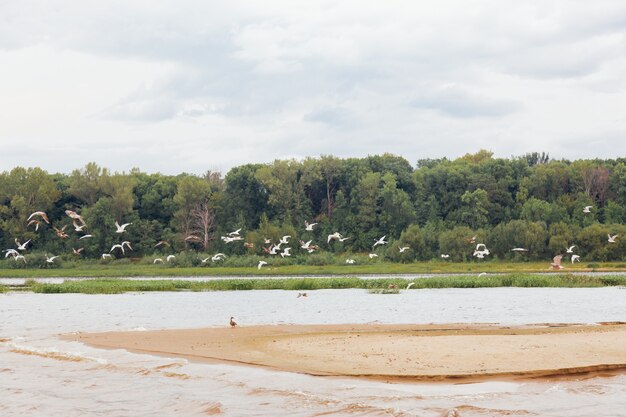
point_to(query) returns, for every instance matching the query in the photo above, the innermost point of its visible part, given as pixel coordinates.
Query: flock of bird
(280, 248)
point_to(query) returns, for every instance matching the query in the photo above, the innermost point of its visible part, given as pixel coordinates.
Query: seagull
(341, 239)
(21, 246)
(248, 245)
(410, 285)
(305, 245)
(73, 215)
(78, 227)
(235, 233)
(127, 244)
(570, 249)
(51, 259)
(284, 239)
(261, 263)
(373, 255)
(228, 239)
(267, 241)
(170, 257)
(285, 252)
(350, 261)
(519, 250)
(575, 258)
(85, 237)
(402, 249)
(157, 260)
(192, 237)
(309, 226)
(117, 247)
(556, 262)
(35, 222)
(232, 322)
(479, 254)
(61, 232)
(445, 255)
(218, 257)
(106, 256)
(77, 251)
(161, 242)
(10, 252)
(41, 214)
(381, 241)
(18, 257)
(122, 228)
(587, 209)
(611, 238)
(334, 236)
(481, 245)
(273, 249)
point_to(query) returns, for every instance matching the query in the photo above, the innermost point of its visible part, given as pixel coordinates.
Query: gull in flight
(372, 255)
(445, 255)
(18, 257)
(170, 257)
(519, 250)
(587, 209)
(381, 241)
(21, 246)
(341, 239)
(570, 249)
(161, 242)
(217, 257)
(261, 263)
(556, 262)
(284, 240)
(78, 227)
(350, 261)
(35, 222)
(85, 237)
(122, 228)
(61, 232)
(106, 256)
(77, 251)
(410, 285)
(121, 247)
(248, 245)
(51, 259)
(611, 238)
(228, 239)
(575, 258)
(41, 214)
(127, 244)
(309, 226)
(402, 249)
(10, 252)
(285, 252)
(157, 260)
(192, 237)
(267, 241)
(235, 233)
(73, 215)
(334, 236)
(305, 245)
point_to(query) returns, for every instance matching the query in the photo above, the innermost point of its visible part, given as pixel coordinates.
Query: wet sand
(392, 352)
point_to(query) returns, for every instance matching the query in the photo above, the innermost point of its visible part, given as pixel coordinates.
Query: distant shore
(392, 352)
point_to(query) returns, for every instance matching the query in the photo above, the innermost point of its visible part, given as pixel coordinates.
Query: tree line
(434, 206)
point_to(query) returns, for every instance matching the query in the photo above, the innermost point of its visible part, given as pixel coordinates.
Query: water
(41, 375)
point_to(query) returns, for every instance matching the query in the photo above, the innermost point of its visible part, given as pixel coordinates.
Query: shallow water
(41, 375)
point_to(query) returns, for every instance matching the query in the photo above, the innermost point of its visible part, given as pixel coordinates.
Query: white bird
(305, 245)
(21, 246)
(309, 226)
(334, 236)
(228, 239)
(235, 233)
(372, 255)
(519, 250)
(284, 239)
(161, 242)
(106, 256)
(261, 263)
(285, 252)
(482, 274)
(121, 247)
(342, 239)
(127, 244)
(611, 238)
(10, 252)
(170, 257)
(556, 262)
(18, 257)
(35, 222)
(479, 254)
(350, 261)
(410, 285)
(570, 249)
(78, 227)
(51, 259)
(273, 249)
(575, 258)
(445, 255)
(41, 214)
(157, 260)
(381, 241)
(267, 241)
(587, 209)
(77, 251)
(218, 257)
(480, 245)
(74, 215)
(122, 228)
(85, 237)
(402, 249)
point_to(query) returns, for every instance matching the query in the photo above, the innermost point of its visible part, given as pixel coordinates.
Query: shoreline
(392, 353)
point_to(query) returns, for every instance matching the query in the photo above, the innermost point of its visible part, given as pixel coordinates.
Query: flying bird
(285, 252)
(556, 262)
(19, 257)
(170, 257)
(334, 236)
(402, 249)
(41, 214)
(161, 242)
(350, 261)
(122, 228)
(85, 237)
(106, 256)
(218, 257)
(50, 259)
(78, 227)
(570, 249)
(77, 251)
(35, 222)
(445, 255)
(575, 258)
(21, 246)
(410, 285)
(309, 226)
(235, 233)
(10, 252)
(61, 232)
(121, 247)
(127, 244)
(157, 260)
(372, 255)
(381, 241)
(261, 263)
(587, 209)
(519, 250)
(73, 215)
(284, 240)
(611, 238)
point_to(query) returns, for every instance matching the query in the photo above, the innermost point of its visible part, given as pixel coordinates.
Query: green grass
(113, 270)
(3, 289)
(117, 286)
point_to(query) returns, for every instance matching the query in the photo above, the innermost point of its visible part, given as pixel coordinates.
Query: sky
(190, 86)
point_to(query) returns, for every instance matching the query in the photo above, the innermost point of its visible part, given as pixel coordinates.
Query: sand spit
(392, 352)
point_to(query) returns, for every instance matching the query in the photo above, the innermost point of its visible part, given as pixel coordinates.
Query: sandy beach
(391, 352)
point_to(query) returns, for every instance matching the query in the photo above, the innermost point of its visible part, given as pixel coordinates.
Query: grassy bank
(114, 269)
(116, 286)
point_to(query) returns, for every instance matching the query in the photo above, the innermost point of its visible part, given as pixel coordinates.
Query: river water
(42, 375)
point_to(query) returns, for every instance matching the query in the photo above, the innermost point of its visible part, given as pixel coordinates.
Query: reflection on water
(41, 375)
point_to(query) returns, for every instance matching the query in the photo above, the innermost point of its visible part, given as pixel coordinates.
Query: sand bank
(412, 352)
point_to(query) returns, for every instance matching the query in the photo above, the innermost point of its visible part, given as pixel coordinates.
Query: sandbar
(430, 352)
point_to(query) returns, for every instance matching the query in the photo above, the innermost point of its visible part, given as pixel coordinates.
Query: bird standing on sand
(232, 322)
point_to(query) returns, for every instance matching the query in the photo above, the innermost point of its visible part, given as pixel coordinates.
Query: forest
(431, 206)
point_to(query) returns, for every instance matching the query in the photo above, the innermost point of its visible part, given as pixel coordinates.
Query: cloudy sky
(188, 85)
